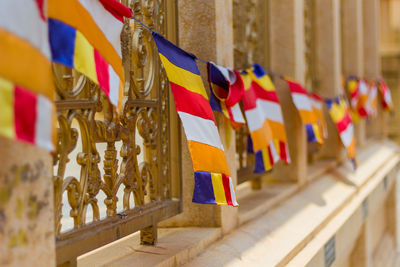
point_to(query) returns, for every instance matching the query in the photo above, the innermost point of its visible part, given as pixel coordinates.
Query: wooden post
(352, 51)
(27, 234)
(212, 21)
(377, 128)
(328, 66)
(287, 57)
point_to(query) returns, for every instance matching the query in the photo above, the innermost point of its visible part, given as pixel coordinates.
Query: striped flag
(386, 96)
(212, 182)
(85, 35)
(26, 82)
(340, 115)
(363, 98)
(317, 106)
(372, 101)
(303, 104)
(358, 91)
(264, 119)
(227, 89)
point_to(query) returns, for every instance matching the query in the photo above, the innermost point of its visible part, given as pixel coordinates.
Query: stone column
(27, 235)
(377, 128)
(328, 66)
(352, 50)
(287, 57)
(205, 29)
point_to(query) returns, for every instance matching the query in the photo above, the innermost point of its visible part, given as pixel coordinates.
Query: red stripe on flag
(296, 88)
(102, 72)
(118, 10)
(25, 114)
(283, 151)
(343, 123)
(227, 189)
(40, 6)
(270, 157)
(264, 94)
(192, 103)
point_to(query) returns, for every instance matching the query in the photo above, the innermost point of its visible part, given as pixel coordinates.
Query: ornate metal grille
(123, 160)
(250, 46)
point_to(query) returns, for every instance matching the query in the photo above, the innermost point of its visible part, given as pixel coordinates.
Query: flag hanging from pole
(317, 106)
(264, 120)
(212, 182)
(227, 89)
(387, 104)
(372, 101)
(26, 82)
(340, 115)
(303, 104)
(86, 35)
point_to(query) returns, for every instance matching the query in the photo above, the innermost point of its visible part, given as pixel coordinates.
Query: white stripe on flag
(237, 114)
(108, 24)
(22, 18)
(316, 104)
(363, 87)
(264, 110)
(233, 194)
(301, 101)
(114, 86)
(43, 125)
(200, 130)
(347, 135)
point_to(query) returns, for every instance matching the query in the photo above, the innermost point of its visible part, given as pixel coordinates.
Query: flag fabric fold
(212, 182)
(372, 101)
(304, 106)
(358, 92)
(386, 103)
(340, 115)
(85, 35)
(226, 90)
(317, 106)
(26, 81)
(264, 119)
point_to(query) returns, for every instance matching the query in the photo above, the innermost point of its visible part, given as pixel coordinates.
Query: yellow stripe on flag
(218, 187)
(266, 159)
(7, 108)
(184, 78)
(15, 55)
(264, 81)
(84, 57)
(337, 112)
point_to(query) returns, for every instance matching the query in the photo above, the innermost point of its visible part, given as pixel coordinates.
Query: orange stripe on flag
(261, 137)
(36, 76)
(208, 158)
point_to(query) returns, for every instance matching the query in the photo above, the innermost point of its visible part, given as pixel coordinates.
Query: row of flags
(85, 35)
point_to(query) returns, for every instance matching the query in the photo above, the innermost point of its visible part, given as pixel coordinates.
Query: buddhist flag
(212, 182)
(358, 92)
(386, 96)
(227, 89)
(26, 82)
(317, 106)
(85, 35)
(363, 98)
(340, 115)
(303, 104)
(372, 101)
(264, 119)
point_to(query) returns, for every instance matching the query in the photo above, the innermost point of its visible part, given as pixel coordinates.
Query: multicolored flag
(212, 182)
(386, 96)
(317, 106)
(86, 35)
(340, 115)
(227, 89)
(363, 98)
(372, 101)
(264, 119)
(303, 104)
(26, 82)
(358, 91)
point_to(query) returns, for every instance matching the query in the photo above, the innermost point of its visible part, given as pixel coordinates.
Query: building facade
(117, 191)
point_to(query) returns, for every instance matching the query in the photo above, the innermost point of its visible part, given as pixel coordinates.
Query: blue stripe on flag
(259, 162)
(310, 133)
(203, 188)
(176, 55)
(214, 102)
(62, 42)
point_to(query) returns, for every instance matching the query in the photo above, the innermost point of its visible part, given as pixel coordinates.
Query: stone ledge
(175, 247)
(276, 237)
